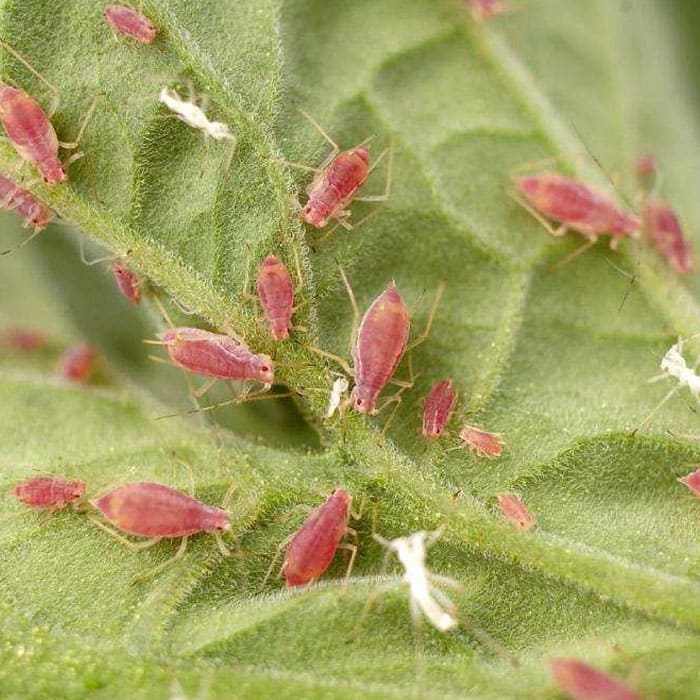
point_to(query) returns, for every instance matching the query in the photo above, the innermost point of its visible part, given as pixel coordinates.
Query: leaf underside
(552, 359)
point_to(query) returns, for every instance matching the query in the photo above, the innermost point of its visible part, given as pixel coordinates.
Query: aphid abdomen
(31, 133)
(381, 341)
(314, 545)
(124, 20)
(276, 295)
(127, 283)
(148, 509)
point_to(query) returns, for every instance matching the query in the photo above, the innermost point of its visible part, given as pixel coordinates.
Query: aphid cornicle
(49, 493)
(78, 363)
(276, 295)
(217, 355)
(584, 682)
(124, 20)
(127, 283)
(439, 406)
(575, 206)
(313, 546)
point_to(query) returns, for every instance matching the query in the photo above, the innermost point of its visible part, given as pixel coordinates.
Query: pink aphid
(313, 546)
(276, 294)
(381, 342)
(127, 282)
(482, 442)
(217, 355)
(333, 189)
(646, 171)
(48, 492)
(692, 481)
(439, 406)
(24, 204)
(516, 511)
(577, 206)
(23, 339)
(663, 228)
(147, 509)
(486, 9)
(584, 682)
(78, 363)
(31, 133)
(124, 20)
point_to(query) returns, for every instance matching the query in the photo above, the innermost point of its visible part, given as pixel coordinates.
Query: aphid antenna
(22, 243)
(533, 166)
(56, 93)
(97, 261)
(243, 398)
(320, 129)
(574, 254)
(70, 145)
(425, 334)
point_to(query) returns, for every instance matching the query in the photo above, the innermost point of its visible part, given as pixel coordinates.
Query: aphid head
(220, 520)
(52, 171)
(76, 490)
(340, 495)
(265, 370)
(534, 188)
(363, 153)
(364, 400)
(315, 213)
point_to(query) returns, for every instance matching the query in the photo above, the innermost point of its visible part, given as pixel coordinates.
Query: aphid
(673, 364)
(337, 181)
(312, 547)
(30, 131)
(78, 362)
(23, 339)
(575, 206)
(127, 283)
(439, 406)
(155, 511)
(124, 20)
(692, 481)
(193, 115)
(486, 9)
(217, 355)
(424, 597)
(485, 444)
(647, 172)
(24, 204)
(663, 228)
(276, 295)
(340, 387)
(584, 682)
(516, 511)
(48, 493)
(380, 343)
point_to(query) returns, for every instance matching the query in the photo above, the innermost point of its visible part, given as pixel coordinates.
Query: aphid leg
(97, 261)
(163, 565)
(656, 409)
(425, 334)
(71, 145)
(22, 243)
(574, 254)
(355, 307)
(56, 94)
(278, 552)
(198, 393)
(387, 186)
(131, 546)
(531, 166)
(556, 232)
(352, 548)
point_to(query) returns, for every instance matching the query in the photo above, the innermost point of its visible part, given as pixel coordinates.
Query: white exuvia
(424, 597)
(193, 115)
(340, 387)
(674, 365)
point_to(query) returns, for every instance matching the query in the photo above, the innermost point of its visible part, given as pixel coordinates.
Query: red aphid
(485, 9)
(663, 228)
(127, 282)
(647, 170)
(78, 363)
(439, 406)
(584, 682)
(313, 546)
(24, 204)
(381, 342)
(217, 355)
(276, 294)
(147, 509)
(485, 444)
(49, 493)
(516, 511)
(124, 20)
(23, 339)
(577, 206)
(31, 133)
(332, 190)
(692, 481)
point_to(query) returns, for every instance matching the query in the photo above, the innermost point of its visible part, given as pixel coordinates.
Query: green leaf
(556, 360)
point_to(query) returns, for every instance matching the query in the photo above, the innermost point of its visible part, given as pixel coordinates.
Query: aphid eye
(265, 368)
